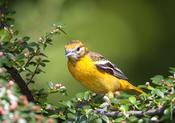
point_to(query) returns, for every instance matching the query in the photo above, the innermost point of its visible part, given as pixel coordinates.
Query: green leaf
(70, 116)
(132, 99)
(158, 92)
(169, 80)
(16, 32)
(166, 112)
(80, 95)
(26, 38)
(63, 117)
(20, 57)
(119, 120)
(124, 108)
(69, 104)
(105, 118)
(51, 85)
(133, 119)
(45, 60)
(87, 95)
(140, 121)
(2, 92)
(156, 79)
(4, 36)
(172, 70)
(6, 61)
(98, 121)
(44, 111)
(42, 64)
(54, 116)
(72, 110)
(42, 54)
(33, 44)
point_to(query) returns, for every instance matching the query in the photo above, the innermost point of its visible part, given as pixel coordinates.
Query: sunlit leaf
(119, 120)
(105, 118)
(4, 36)
(132, 99)
(156, 79)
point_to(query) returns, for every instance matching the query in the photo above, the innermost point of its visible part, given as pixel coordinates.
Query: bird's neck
(74, 61)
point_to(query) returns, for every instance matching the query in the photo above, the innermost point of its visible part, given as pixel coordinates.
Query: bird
(95, 72)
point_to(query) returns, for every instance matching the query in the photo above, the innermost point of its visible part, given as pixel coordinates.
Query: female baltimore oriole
(96, 72)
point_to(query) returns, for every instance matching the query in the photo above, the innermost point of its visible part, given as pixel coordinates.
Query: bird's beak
(69, 54)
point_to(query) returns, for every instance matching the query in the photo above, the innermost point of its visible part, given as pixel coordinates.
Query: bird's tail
(138, 90)
(127, 86)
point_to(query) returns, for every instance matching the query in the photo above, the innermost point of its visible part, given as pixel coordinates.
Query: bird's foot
(104, 106)
(107, 99)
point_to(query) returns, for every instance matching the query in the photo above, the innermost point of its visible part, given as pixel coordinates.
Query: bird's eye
(78, 49)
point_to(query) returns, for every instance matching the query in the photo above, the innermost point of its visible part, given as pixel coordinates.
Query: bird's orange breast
(98, 81)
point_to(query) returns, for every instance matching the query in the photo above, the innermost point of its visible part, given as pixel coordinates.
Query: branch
(21, 83)
(152, 112)
(3, 10)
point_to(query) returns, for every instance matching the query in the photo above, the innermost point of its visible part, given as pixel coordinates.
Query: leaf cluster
(156, 105)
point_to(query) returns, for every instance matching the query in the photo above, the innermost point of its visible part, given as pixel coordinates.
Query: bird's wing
(105, 65)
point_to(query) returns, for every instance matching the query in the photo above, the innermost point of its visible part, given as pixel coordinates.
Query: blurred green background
(136, 35)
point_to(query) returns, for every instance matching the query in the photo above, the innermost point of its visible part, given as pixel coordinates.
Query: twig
(34, 73)
(28, 61)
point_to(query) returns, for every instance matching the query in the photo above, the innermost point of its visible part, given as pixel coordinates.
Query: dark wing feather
(107, 66)
(112, 70)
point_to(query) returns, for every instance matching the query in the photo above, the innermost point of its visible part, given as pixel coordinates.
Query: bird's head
(75, 49)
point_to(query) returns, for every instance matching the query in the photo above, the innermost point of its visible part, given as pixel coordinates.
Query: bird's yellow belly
(98, 81)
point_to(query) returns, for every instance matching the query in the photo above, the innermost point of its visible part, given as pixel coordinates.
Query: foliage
(156, 106)
(16, 108)
(22, 56)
